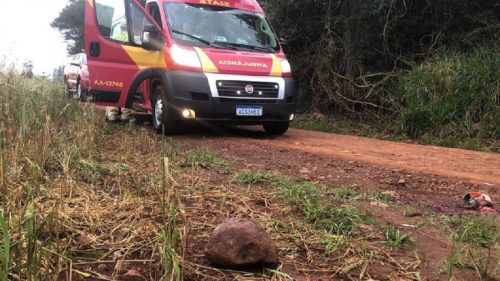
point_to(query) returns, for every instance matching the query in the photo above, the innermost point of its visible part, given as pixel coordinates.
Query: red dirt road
(475, 166)
(481, 167)
(421, 171)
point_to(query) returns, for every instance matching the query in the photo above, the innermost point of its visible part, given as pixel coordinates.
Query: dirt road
(478, 167)
(475, 166)
(472, 165)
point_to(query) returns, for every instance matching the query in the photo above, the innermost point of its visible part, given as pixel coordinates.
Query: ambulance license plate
(242, 110)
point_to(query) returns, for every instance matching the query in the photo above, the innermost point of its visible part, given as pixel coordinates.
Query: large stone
(241, 243)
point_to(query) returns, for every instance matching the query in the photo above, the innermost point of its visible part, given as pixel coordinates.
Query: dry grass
(67, 208)
(83, 199)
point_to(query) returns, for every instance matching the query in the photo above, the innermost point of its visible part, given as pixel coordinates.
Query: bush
(455, 96)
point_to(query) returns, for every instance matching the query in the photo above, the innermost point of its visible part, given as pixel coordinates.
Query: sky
(25, 34)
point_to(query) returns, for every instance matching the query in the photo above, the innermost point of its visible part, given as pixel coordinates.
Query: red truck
(76, 77)
(189, 60)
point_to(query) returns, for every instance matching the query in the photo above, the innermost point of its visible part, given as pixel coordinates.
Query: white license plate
(248, 110)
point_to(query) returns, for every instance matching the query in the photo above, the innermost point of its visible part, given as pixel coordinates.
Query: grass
(65, 205)
(381, 129)
(204, 157)
(481, 231)
(414, 211)
(395, 237)
(69, 210)
(453, 97)
(476, 244)
(249, 177)
(305, 196)
(451, 100)
(347, 193)
(5, 249)
(38, 136)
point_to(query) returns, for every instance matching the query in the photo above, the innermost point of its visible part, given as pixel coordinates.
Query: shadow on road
(209, 130)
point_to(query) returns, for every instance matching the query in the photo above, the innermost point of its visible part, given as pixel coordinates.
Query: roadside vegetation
(476, 247)
(83, 199)
(424, 71)
(67, 209)
(452, 101)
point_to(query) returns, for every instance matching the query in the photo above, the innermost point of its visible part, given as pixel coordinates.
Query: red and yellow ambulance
(205, 60)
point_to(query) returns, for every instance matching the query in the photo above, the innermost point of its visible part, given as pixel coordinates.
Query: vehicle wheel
(162, 120)
(276, 128)
(80, 95)
(66, 89)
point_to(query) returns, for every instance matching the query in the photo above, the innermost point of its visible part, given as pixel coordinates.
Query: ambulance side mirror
(152, 38)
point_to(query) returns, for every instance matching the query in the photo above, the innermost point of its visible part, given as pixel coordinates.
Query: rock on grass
(241, 243)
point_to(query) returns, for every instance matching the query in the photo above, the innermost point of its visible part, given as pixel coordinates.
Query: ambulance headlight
(185, 57)
(285, 67)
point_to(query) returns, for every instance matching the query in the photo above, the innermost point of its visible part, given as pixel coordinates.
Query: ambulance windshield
(203, 25)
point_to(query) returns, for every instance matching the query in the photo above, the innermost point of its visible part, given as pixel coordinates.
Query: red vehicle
(203, 60)
(76, 77)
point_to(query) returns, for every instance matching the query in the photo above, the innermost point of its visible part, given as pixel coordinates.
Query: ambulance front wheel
(278, 128)
(161, 117)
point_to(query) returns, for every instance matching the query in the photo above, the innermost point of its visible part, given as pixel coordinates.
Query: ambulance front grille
(247, 89)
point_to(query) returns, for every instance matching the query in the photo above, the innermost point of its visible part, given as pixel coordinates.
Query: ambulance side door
(122, 43)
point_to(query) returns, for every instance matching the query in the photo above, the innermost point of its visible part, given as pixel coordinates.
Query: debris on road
(392, 194)
(408, 225)
(478, 201)
(241, 243)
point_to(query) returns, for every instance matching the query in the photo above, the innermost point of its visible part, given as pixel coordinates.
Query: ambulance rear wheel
(278, 128)
(161, 113)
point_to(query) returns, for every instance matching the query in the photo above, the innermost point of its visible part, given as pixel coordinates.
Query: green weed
(453, 101)
(5, 249)
(334, 243)
(347, 193)
(249, 177)
(278, 275)
(472, 258)
(482, 231)
(339, 220)
(204, 157)
(395, 237)
(479, 248)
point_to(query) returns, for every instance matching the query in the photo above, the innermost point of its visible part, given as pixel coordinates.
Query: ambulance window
(139, 21)
(76, 59)
(112, 20)
(154, 11)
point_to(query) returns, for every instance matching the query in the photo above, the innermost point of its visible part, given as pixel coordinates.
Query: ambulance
(206, 61)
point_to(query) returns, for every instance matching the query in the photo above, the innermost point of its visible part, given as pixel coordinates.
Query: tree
(70, 23)
(58, 73)
(28, 69)
(347, 53)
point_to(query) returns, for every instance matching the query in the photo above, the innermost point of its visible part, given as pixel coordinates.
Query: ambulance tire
(278, 128)
(161, 115)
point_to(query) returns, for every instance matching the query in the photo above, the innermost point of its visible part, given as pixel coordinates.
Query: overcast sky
(25, 33)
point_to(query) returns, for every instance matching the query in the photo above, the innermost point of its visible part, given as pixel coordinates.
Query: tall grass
(453, 99)
(40, 131)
